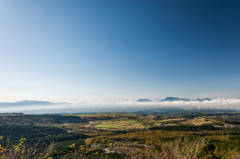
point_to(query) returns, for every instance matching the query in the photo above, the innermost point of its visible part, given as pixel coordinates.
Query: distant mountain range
(202, 99)
(172, 99)
(34, 102)
(143, 100)
(29, 102)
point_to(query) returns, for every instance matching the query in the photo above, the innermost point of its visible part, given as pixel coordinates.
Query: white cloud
(216, 103)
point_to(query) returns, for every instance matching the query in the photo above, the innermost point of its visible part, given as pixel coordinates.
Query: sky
(91, 50)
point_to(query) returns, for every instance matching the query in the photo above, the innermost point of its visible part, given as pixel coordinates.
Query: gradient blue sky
(105, 50)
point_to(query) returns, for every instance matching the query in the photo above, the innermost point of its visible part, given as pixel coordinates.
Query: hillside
(116, 135)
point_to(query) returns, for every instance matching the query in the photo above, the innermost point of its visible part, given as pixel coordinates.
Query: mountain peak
(202, 99)
(143, 100)
(29, 102)
(171, 99)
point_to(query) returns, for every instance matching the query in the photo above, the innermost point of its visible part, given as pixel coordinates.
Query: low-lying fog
(127, 106)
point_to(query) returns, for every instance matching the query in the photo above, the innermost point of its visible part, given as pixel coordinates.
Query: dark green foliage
(213, 145)
(65, 145)
(192, 116)
(100, 118)
(110, 116)
(184, 128)
(16, 132)
(41, 119)
(56, 138)
(235, 138)
(232, 122)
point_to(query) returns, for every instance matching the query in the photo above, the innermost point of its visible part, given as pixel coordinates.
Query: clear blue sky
(92, 50)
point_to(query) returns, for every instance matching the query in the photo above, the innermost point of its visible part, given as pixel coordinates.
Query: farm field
(121, 125)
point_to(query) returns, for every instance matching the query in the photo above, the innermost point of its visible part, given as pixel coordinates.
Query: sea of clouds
(126, 106)
(213, 104)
